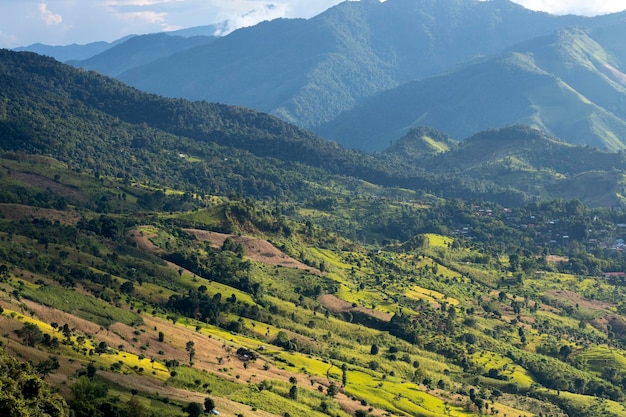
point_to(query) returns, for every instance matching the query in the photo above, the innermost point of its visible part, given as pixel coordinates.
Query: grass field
(83, 306)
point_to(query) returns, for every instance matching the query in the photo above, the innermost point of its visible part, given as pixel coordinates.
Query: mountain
(569, 84)
(160, 257)
(421, 142)
(98, 125)
(71, 52)
(213, 30)
(139, 50)
(156, 46)
(521, 158)
(308, 71)
(537, 164)
(110, 129)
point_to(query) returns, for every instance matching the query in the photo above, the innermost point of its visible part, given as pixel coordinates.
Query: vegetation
(336, 297)
(25, 394)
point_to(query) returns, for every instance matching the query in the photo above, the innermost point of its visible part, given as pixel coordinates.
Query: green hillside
(101, 127)
(309, 71)
(567, 84)
(155, 260)
(139, 50)
(466, 310)
(422, 142)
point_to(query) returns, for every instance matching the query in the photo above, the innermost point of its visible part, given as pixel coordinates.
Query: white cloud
(236, 20)
(61, 22)
(50, 18)
(147, 17)
(582, 7)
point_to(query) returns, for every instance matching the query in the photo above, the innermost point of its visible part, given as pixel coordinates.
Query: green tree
(25, 394)
(332, 390)
(134, 408)
(46, 367)
(30, 334)
(128, 288)
(91, 370)
(86, 390)
(194, 409)
(565, 351)
(189, 347)
(209, 404)
(293, 393)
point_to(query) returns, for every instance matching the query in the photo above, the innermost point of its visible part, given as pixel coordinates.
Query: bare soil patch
(573, 298)
(256, 250)
(337, 305)
(556, 259)
(141, 236)
(20, 212)
(45, 183)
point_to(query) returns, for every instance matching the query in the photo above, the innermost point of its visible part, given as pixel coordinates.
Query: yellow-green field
(419, 293)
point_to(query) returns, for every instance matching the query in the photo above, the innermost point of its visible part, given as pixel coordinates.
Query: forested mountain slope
(568, 84)
(307, 71)
(139, 50)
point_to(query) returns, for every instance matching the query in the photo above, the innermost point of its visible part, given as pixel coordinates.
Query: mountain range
(308, 71)
(568, 84)
(162, 257)
(364, 73)
(100, 125)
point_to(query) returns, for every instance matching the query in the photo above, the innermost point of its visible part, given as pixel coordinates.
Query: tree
(161, 337)
(194, 409)
(91, 370)
(128, 288)
(85, 390)
(293, 393)
(332, 390)
(189, 347)
(30, 334)
(46, 367)
(102, 347)
(374, 349)
(67, 332)
(344, 374)
(25, 394)
(135, 408)
(4, 271)
(209, 404)
(565, 351)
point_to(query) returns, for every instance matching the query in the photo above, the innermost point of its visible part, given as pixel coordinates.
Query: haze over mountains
(364, 73)
(308, 71)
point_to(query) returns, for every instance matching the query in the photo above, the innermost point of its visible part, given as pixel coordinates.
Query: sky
(64, 22)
